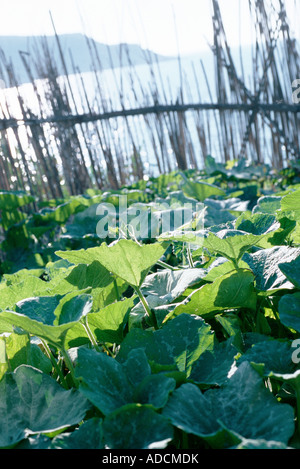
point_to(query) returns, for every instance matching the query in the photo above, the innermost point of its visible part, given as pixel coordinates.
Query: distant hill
(72, 45)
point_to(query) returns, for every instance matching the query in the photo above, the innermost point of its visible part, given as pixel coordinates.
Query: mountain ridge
(79, 52)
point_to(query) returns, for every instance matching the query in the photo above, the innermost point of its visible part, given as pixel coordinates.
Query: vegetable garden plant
(182, 339)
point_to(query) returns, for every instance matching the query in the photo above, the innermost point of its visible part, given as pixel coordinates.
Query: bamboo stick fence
(64, 142)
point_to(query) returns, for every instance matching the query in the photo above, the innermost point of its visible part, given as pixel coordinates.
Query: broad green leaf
(264, 265)
(89, 435)
(292, 271)
(179, 343)
(27, 288)
(131, 261)
(81, 256)
(154, 389)
(33, 402)
(184, 236)
(72, 307)
(59, 214)
(20, 351)
(168, 285)
(244, 406)
(137, 366)
(214, 366)
(275, 230)
(273, 355)
(51, 327)
(230, 291)
(92, 275)
(39, 308)
(201, 190)
(108, 324)
(267, 204)
(12, 200)
(222, 266)
(55, 335)
(289, 311)
(291, 203)
(126, 259)
(222, 211)
(103, 381)
(230, 245)
(256, 223)
(11, 217)
(136, 427)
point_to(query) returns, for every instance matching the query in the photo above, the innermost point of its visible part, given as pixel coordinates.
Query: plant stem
(89, 333)
(147, 308)
(69, 365)
(166, 266)
(55, 364)
(117, 290)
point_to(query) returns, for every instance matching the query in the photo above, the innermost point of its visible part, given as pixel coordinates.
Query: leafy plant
(186, 339)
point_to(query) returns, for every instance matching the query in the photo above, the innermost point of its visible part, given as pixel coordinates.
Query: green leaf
(230, 291)
(291, 203)
(154, 390)
(20, 351)
(72, 307)
(264, 265)
(92, 275)
(109, 323)
(81, 256)
(89, 435)
(136, 427)
(214, 366)
(53, 326)
(33, 402)
(29, 287)
(289, 311)
(168, 285)
(39, 308)
(12, 200)
(275, 229)
(292, 271)
(267, 204)
(125, 258)
(179, 343)
(137, 366)
(59, 214)
(222, 266)
(243, 406)
(103, 381)
(274, 356)
(256, 223)
(230, 245)
(201, 190)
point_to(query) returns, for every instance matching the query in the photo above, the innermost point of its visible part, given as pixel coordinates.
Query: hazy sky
(165, 26)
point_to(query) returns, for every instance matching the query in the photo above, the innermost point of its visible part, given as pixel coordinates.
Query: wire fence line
(157, 109)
